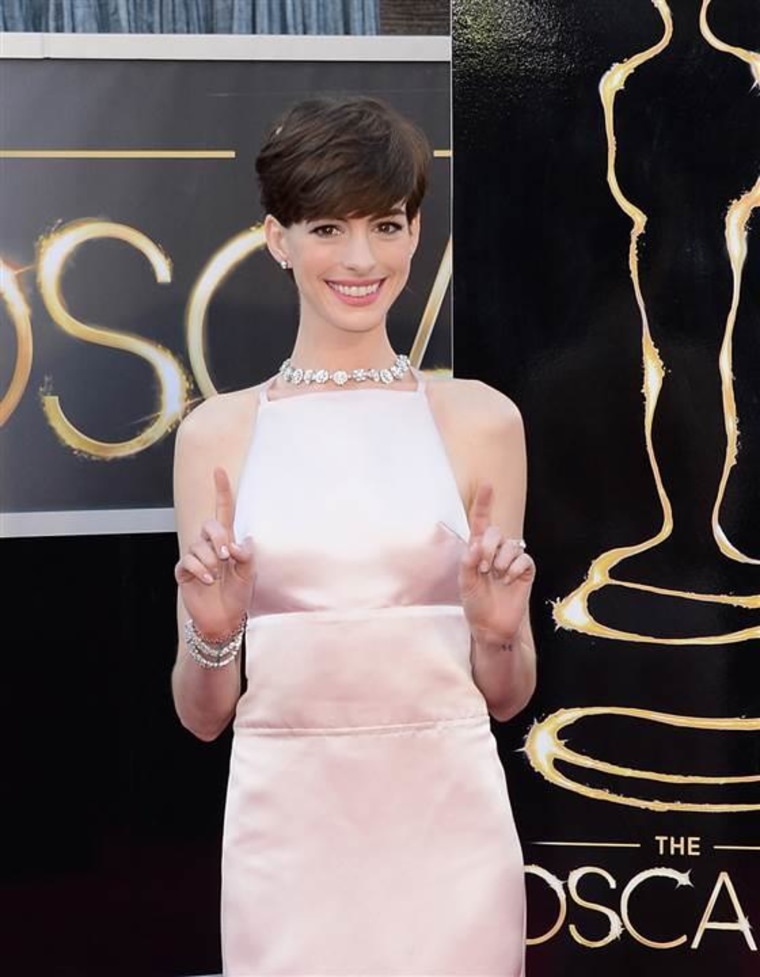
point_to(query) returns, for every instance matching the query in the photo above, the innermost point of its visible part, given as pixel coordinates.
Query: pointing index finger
(225, 504)
(479, 515)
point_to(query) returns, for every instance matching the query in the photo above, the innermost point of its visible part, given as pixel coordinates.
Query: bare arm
(497, 574)
(214, 572)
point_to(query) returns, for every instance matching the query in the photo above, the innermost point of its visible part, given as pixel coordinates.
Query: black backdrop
(545, 309)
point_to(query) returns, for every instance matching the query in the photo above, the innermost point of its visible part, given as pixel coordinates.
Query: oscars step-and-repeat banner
(133, 278)
(132, 284)
(607, 276)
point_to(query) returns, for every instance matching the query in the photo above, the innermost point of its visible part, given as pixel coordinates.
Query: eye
(325, 230)
(389, 227)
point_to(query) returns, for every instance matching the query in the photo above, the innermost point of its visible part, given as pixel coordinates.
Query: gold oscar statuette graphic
(547, 752)
(545, 748)
(573, 611)
(54, 251)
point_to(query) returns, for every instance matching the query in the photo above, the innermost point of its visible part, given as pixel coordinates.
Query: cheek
(405, 263)
(403, 252)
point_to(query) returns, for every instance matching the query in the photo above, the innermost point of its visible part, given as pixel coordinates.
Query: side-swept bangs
(350, 157)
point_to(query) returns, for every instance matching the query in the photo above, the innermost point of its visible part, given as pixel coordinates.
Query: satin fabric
(368, 829)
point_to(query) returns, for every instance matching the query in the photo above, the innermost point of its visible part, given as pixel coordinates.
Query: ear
(414, 232)
(274, 234)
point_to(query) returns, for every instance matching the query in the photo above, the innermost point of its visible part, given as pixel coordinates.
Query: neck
(343, 352)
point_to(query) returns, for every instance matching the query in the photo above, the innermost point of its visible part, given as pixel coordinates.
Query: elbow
(502, 712)
(205, 716)
(204, 723)
(204, 728)
(207, 735)
(512, 704)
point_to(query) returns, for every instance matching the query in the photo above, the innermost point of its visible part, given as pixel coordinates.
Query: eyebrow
(392, 212)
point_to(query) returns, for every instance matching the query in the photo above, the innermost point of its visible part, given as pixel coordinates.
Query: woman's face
(349, 271)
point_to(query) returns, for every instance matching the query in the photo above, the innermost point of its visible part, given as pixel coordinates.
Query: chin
(359, 319)
(356, 328)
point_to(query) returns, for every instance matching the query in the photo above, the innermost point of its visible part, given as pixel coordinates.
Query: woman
(361, 528)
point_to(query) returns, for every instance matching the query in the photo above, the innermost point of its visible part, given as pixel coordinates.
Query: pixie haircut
(342, 157)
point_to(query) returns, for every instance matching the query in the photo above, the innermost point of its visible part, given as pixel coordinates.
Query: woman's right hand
(216, 575)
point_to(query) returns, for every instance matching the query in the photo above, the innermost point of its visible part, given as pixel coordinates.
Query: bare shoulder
(483, 433)
(474, 405)
(220, 419)
(215, 434)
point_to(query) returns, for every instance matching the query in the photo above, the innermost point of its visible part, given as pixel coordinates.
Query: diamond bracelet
(214, 654)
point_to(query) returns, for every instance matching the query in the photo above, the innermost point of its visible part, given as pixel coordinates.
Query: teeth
(355, 291)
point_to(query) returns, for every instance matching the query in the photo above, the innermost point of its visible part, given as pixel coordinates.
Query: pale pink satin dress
(368, 830)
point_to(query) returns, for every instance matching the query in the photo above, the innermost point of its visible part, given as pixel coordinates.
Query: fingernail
(224, 553)
(207, 578)
(484, 567)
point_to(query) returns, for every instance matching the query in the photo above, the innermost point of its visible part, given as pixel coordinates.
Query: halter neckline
(264, 397)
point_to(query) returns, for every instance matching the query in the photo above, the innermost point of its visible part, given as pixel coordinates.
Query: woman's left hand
(495, 577)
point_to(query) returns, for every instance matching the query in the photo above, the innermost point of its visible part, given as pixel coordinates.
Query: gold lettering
(22, 323)
(678, 845)
(680, 878)
(432, 308)
(557, 888)
(741, 924)
(616, 926)
(216, 270)
(54, 252)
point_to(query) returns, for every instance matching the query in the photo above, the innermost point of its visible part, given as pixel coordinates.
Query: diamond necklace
(296, 375)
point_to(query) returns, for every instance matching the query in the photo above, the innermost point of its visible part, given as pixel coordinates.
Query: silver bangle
(214, 654)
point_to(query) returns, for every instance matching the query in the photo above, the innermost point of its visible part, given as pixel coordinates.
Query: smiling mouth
(355, 291)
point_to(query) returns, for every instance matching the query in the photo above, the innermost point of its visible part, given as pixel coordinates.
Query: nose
(359, 255)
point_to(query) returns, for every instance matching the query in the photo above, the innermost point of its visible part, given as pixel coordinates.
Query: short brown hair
(341, 157)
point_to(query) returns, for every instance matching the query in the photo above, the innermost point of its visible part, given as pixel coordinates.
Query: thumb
(242, 554)
(469, 574)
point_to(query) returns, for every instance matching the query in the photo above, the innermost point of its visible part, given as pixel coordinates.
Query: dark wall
(417, 17)
(112, 811)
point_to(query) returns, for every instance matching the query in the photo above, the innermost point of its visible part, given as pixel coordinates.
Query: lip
(340, 287)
